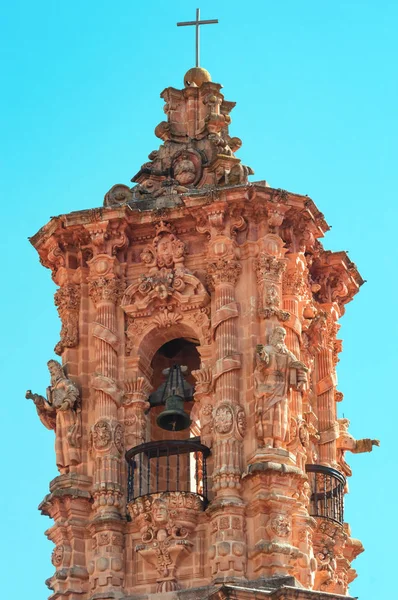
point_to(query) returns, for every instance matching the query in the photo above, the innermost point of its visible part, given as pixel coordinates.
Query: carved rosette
(166, 521)
(67, 301)
(106, 433)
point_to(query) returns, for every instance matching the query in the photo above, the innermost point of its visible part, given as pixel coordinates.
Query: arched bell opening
(182, 356)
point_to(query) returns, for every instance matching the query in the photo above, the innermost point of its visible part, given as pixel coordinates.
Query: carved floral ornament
(166, 281)
(103, 434)
(226, 416)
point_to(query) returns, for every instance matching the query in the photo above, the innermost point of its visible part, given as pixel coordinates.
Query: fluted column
(106, 567)
(227, 553)
(326, 329)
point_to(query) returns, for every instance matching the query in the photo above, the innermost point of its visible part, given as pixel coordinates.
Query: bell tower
(194, 401)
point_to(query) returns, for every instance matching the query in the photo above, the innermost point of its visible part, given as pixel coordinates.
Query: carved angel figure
(61, 411)
(277, 371)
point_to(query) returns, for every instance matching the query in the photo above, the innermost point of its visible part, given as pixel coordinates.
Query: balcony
(168, 466)
(327, 493)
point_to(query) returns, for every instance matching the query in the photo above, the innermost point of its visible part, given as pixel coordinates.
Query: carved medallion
(102, 434)
(57, 556)
(280, 526)
(223, 419)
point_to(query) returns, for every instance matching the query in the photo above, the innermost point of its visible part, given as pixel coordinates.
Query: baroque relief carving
(270, 266)
(67, 301)
(167, 282)
(166, 522)
(57, 556)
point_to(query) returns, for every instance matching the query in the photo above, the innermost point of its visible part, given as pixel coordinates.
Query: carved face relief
(223, 419)
(118, 437)
(241, 422)
(160, 512)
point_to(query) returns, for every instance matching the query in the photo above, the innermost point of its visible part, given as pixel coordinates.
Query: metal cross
(197, 24)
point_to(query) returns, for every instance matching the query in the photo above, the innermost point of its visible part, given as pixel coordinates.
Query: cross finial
(197, 24)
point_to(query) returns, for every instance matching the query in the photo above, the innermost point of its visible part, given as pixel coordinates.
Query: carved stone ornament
(61, 411)
(102, 434)
(167, 281)
(117, 195)
(280, 526)
(194, 153)
(57, 556)
(223, 419)
(224, 270)
(105, 289)
(67, 301)
(241, 422)
(270, 268)
(165, 522)
(118, 437)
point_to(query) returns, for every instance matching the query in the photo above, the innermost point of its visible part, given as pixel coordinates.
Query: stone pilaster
(106, 566)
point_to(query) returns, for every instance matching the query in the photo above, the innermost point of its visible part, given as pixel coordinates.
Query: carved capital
(137, 389)
(106, 289)
(223, 270)
(269, 267)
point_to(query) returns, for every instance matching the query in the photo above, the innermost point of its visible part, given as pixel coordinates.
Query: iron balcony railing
(167, 466)
(327, 493)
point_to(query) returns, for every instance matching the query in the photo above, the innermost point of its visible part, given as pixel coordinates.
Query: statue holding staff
(60, 410)
(277, 371)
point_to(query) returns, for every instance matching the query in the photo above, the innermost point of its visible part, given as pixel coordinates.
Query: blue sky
(316, 91)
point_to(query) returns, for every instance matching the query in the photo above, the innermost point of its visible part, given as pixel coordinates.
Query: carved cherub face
(161, 291)
(159, 512)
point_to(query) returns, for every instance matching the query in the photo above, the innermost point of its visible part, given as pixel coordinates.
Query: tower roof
(197, 150)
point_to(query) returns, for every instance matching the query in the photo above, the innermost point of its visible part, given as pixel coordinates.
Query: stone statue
(277, 371)
(346, 441)
(61, 411)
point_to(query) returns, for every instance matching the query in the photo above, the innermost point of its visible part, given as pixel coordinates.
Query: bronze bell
(174, 417)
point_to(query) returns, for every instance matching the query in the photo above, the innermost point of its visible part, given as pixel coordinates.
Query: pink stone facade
(197, 266)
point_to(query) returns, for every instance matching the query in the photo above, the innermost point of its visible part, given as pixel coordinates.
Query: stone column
(106, 567)
(325, 329)
(228, 550)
